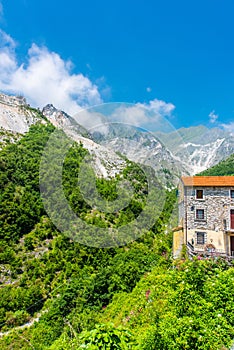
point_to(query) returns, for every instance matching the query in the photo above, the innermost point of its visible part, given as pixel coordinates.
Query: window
(232, 219)
(200, 214)
(232, 194)
(201, 237)
(199, 194)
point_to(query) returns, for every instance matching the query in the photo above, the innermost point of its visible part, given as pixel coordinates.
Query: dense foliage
(130, 297)
(226, 167)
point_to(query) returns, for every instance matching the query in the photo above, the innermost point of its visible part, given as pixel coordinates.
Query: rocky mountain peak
(12, 100)
(184, 151)
(16, 116)
(198, 148)
(106, 163)
(62, 120)
(57, 117)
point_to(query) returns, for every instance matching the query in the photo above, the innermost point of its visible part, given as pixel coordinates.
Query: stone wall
(216, 204)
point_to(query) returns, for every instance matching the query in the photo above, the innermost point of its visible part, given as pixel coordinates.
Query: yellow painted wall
(217, 238)
(178, 241)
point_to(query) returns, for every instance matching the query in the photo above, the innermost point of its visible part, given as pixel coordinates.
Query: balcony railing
(209, 251)
(190, 246)
(197, 249)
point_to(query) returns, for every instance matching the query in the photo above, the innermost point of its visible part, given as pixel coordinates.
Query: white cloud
(44, 78)
(6, 40)
(159, 107)
(7, 57)
(130, 114)
(150, 116)
(143, 114)
(92, 119)
(213, 117)
(228, 127)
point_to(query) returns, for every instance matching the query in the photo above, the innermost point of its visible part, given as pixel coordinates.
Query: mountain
(46, 275)
(16, 117)
(186, 151)
(108, 149)
(57, 293)
(62, 120)
(131, 142)
(105, 162)
(198, 148)
(144, 148)
(225, 167)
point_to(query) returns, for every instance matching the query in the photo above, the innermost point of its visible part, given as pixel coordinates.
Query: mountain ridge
(199, 147)
(59, 294)
(225, 167)
(185, 151)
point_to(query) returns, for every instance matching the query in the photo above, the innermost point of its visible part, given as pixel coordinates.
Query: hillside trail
(26, 325)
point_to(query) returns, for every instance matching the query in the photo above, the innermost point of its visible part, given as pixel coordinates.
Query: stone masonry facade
(216, 204)
(205, 216)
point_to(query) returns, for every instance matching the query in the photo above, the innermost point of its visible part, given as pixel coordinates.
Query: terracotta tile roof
(221, 181)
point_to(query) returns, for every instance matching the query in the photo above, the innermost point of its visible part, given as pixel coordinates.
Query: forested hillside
(79, 297)
(226, 167)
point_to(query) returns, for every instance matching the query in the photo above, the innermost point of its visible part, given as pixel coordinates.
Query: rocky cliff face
(16, 117)
(106, 163)
(15, 114)
(103, 143)
(144, 148)
(62, 120)
(186, 151)
(199, 148)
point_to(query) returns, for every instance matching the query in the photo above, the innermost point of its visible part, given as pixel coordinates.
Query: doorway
(232, 219)
(232, 245)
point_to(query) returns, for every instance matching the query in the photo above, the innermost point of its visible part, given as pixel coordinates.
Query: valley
(56, 292)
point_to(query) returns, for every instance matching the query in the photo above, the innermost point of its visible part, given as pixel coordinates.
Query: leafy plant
(106, 337)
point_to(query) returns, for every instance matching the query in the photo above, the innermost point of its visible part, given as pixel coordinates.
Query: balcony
(203, 251)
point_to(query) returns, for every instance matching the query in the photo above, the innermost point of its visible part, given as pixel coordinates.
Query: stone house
(206, 216)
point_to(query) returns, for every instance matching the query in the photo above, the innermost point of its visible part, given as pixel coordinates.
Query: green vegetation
(226, 167)
(130, 297)
(7, 137)
(187, 307)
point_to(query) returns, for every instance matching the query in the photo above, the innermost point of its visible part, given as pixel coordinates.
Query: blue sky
(178, 52)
